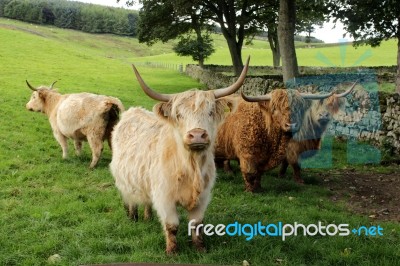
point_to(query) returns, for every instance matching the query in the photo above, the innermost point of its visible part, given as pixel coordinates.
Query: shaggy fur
(307, 141)
(153, 163)
(257, 134)
(81, 117)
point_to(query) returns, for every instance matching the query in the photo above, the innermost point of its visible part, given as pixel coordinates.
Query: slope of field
(55, 211)
(125, 48)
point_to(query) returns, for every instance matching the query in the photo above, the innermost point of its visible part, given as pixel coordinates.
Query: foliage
(370, 22)
(72, 15)
(310, 14)
(197, 49)
(166, 20)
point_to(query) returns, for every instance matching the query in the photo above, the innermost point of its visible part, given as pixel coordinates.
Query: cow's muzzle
(324, 118)
(197, 139)
(292, 127)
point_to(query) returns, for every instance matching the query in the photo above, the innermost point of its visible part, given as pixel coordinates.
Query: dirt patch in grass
(376, 195)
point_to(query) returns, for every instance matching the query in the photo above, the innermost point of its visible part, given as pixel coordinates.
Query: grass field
(52, 206)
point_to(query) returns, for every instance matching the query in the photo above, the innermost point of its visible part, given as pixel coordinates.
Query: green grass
(52, 206)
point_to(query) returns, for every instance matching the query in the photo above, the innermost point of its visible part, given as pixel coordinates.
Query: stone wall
(368, 115)
(252, 86)
(380, 125)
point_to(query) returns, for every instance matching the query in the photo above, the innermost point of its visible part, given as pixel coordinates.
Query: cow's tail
(113, 110)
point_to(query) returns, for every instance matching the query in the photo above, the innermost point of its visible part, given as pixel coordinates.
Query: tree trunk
(398, 62)
(199, 37)
(201, 62)
(286, 28)
(276, 58)
(236, 54)
(274, 44)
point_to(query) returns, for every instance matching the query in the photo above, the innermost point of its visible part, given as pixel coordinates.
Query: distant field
(124, 48)
(52, 206)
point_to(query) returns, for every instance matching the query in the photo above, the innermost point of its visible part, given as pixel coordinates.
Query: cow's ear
(335, 104)
(226, 105)
(229, 103)
(266, 106)
(42, 94)
(162, 109)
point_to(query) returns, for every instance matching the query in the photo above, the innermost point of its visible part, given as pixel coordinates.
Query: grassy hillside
(125, 48)
(52, 206)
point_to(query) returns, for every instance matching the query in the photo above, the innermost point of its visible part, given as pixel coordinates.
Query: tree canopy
(370, 22)
(72, 15)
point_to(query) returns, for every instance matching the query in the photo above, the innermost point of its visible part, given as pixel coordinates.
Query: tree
(198, 48)
(286, 29)
(370, 22)
(310, 14)
(237, 20)
(164, 20)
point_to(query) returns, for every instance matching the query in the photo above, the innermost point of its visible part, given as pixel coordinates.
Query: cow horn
(266, 97)
(235, 86)
(152, 94)
(30, 86)
(315, 96)
(52, 84)
(348, 91)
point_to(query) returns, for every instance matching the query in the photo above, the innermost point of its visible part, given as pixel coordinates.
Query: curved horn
(152, 94)
(52, 84)
(30, 86)
(266, 97)
(235, 86)
(315, 96)
(348, 91)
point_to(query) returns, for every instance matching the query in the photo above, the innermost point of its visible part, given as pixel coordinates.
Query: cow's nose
(324, 115)
(197, 139)
(292, 127)
(197, 135)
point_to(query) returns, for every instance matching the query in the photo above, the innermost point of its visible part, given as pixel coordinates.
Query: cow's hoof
(171, 251)
(199, 247)
(254, 189)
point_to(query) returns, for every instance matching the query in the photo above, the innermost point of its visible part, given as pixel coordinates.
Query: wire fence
(177, 67)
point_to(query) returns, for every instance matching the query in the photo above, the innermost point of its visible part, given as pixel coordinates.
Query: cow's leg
(251, 176)
(148, 211)
(296, 173)
(197, 215)
(109, 139)
(132, 211)
(283, 169)
(62, 140)
(96, 145)
(171, 230)
(252, 182)
(257, 183)
(227, 167)
(78, 147)
(169, 218)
